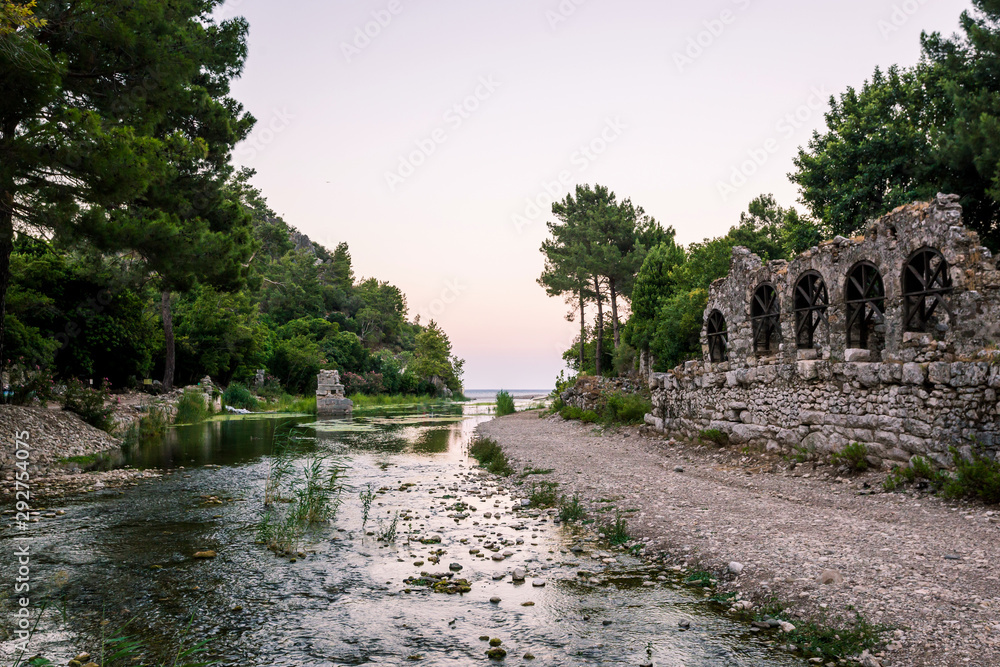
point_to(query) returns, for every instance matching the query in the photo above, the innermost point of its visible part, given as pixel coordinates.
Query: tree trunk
(614, 311)
(583, 328)
(168, 338)
(6, 247)
(600, 326)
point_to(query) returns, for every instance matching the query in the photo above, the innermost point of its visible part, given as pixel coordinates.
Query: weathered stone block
(939, 372)
(914, 373)
(807, 370)
(853, 354)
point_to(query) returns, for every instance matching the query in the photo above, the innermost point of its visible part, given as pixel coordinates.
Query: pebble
(538, 583)
(736, 568)
(495, 600)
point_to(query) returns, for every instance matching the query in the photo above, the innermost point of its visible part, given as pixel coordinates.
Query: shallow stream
(121, 557)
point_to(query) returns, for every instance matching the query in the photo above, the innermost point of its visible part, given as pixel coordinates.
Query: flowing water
(122, 557)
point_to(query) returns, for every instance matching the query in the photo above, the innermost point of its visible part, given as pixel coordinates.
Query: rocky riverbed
(825, 544)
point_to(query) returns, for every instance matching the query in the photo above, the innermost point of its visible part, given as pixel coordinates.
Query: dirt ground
(927, 568)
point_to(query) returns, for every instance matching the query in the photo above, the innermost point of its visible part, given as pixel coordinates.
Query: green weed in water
(367, 496)
(490, 456)
(191, 408)
(570, 509)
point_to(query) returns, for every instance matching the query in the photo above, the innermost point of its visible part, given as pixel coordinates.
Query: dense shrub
(854, 456)
(27, 384)
(975, 477)
(489, 454)
(571, 412)
(505, 404)
(191, 408)
(239, 396)
(621, 408)
(89, 404)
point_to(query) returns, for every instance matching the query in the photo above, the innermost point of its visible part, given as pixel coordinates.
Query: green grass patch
(148, 427)
(702, 579)
(537, 471)
(504, 404)
(289, 403)
(544, 495)
(616, 531)
(589, 417)
(854, 456)
(715, 436)
(490, 456)
(625, 409)
(382, 400)
(570, 509)
(86, 460)
(823, 637)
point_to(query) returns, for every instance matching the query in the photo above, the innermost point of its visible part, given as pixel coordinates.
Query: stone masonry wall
(908, 393)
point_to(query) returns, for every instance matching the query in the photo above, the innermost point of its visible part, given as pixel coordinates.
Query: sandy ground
(928, 568)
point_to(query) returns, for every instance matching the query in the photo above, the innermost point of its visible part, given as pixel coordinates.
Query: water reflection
(129, 557)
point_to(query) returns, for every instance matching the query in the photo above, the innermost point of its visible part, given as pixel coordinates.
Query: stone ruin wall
(906, 393)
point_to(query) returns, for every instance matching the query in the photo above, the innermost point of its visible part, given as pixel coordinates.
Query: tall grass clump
(238, 395)
(505, 404)
(854, 456)
(570, 509)
(490, 456)
(297, 494)
(192, 408)
(616, 532)
(544, 495)
(383, 400)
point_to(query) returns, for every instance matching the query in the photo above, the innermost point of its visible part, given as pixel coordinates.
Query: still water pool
(127, 558)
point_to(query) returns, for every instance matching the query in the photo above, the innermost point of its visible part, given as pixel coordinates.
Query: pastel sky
(433, 144)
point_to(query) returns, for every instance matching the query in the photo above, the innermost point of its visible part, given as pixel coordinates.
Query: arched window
(718, 337)
(925, 282)
(865, 298)
(810, 304)
(765, 314)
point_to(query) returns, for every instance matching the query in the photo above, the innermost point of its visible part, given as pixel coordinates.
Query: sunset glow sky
(433, 145)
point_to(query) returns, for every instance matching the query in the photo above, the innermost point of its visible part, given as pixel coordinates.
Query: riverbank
(922, 566)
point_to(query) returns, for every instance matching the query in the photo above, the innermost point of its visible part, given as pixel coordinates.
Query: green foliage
(714, 436)
(701, 578)
(919, 469)
(490, 456)
(616, 531)
(239, 396)
(27, 385)
(504, 404)
(387, 532)
(854, 456)
(191, 408)
(367, 496)
(91, 404)
(977, 476)
(589, 417)
(570, 509)
(621, 408)
(433, 358)
(544, 495)
(147, 427)
(571, 412)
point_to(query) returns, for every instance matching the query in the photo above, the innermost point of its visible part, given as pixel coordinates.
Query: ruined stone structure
(330, 398)
(886, 339)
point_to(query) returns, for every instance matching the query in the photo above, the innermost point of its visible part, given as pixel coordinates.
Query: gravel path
(928, 568)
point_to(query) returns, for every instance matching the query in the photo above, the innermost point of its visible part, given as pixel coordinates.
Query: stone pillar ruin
(330, 399)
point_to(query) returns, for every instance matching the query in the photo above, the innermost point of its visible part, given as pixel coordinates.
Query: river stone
(828, 577)
(736, 568)
(538, 583)
(495, 600)
(497, 557)
(205, 554)
(455, 567)
(518, 574)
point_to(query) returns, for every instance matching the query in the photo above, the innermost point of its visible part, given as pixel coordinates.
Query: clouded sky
(432, 136)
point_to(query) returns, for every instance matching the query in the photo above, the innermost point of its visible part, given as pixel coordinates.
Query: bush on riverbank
(505, 404)
(151, 425)
(617, 409)
(191, 407)
(89, 404)
(491, 456)
(238, 395)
